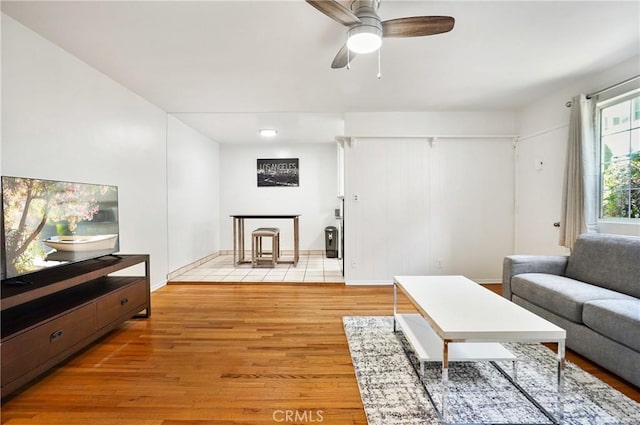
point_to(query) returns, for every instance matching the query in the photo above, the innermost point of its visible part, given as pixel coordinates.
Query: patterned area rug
(392, 393)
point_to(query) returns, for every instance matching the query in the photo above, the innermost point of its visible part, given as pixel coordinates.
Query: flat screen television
(48, 223)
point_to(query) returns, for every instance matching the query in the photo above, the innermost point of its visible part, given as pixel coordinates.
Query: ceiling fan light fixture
(268, 132)
(364, 39)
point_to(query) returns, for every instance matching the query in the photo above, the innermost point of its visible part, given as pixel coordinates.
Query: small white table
(457, 314)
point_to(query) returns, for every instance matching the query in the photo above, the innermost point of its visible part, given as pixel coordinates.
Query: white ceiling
(230, 67)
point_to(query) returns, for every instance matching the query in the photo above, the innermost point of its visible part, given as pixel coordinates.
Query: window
(619, 135)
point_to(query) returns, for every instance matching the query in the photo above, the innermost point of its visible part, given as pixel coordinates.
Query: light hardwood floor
(220, 354)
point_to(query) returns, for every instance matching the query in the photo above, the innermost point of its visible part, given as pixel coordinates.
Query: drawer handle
(124, 301)
(55, 335)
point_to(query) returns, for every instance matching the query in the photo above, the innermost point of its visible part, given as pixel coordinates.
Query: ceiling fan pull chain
(348, 56)
(379, 72)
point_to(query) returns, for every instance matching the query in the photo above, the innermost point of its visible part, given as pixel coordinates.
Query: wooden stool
(276, 246)
(258, 254)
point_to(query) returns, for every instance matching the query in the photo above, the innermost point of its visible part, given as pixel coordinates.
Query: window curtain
(579, 193)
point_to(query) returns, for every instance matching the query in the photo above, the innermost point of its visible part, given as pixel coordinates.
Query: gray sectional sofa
(594, 294)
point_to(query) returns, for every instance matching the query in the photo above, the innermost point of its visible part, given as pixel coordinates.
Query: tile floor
(311, 268)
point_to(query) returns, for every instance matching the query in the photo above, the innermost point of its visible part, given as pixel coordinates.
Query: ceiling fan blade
(342, 58)
(417, 26)
(335, 11)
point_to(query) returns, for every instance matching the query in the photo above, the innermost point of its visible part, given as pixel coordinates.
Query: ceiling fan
(366, 29)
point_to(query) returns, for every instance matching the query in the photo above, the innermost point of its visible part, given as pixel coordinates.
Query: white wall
(387, 216)
(411, 124)
(63, 120)
(539, 175)
(193, 195)
(472, 207)
(543, 127)
(315, 199)
(441, 206)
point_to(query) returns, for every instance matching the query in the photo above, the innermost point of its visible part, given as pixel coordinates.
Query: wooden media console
(62, 310)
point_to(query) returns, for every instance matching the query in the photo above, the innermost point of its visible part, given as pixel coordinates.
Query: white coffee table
(462, 321)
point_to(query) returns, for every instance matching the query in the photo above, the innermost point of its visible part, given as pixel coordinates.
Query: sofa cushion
(618, 320)
(609, 261)
(560, 295)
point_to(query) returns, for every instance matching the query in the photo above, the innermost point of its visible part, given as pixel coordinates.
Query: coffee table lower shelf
(428, 347)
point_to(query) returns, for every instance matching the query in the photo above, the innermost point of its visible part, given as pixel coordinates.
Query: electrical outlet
(354, 263)
(356, 198)
(439, 263)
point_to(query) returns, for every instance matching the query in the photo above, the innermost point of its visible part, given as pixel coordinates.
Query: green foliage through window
(620, 159)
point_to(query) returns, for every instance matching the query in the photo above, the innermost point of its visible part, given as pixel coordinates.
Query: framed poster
(278, 172)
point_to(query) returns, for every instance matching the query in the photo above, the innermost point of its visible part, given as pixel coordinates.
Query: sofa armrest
(518, 264)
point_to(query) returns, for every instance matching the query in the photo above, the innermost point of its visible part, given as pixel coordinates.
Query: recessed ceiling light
(268, 132)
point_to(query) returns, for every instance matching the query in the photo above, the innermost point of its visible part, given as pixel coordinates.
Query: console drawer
(30, 349)
(121, 303)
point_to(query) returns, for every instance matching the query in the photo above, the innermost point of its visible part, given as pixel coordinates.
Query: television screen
(48, 223)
